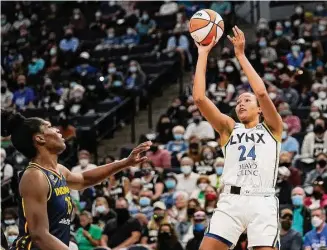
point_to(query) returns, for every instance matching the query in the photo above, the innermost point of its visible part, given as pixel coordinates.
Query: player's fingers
(139, 150)
(143, 159)
(197, 44)
(230, 39)
(235, 32)
(239, 31)
(212, 43)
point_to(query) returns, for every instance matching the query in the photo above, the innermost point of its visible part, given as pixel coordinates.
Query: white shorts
(235, 214)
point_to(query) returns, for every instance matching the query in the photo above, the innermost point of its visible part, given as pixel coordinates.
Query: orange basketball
(206, 24)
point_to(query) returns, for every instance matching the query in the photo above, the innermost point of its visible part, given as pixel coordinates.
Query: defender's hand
(134, 157)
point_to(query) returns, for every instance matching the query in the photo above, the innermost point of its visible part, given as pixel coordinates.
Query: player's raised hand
(135, 156)
(238, 40)
(206, 48)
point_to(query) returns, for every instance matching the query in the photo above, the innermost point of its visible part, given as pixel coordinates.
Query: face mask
(3, 21)
(278, 32)
(314, 114)
(297, 200)
(69, 36)
(100, 209)
(287, 24)
(219, 170)
(262, 26)
(244, 79)
(134, 169)
(110, 35)
(144, 201)
(280, 65)
(319, 8)
(133, 69)
(322, 163)
(197, 120)
(284, 135)
(111, 70)
(322, 95)
(202, 186)
(117, 83)
(21, 85)
(20, 17)
(11, 239)
(122, 215)
(316, 221)
(84, 162)
(317, 195)
(199, 227)
(269, 77)
(211, 197)
(170, 184)
(298, 10)
(262, 44)
(221, 63)
(76, 16)
(178, 137)
(229, 69)
(190, 212)
(253, 56)
(164, 236)
(272, 95)
(208, 156)
(286, 225)
(145, 17)
(186, 169)
(154, 148)
(19, 159)
(129, 31)
(53, 51)
(321, 27)
(9, 222)
(158, 217)
(318, 129)
(3, 90)
(296, 48)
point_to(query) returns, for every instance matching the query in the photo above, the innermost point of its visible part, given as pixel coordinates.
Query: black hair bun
(10, 122)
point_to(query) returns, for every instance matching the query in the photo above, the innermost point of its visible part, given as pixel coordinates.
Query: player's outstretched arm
(222, 123)
(271, 116)
(34, 189)
(92, 177)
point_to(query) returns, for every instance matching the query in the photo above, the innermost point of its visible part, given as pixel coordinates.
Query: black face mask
(286, 225)
(3, 90)
(318, 129)
(190, 212)
(122, 215)
(21, 85)
(68, 36)
(198, 235)
(197, 120)
(158, 217)
(285, 164)
(322, 163)
(146, 171)
(154, 148)
(317, 195)
(164, 236)
(164, 126)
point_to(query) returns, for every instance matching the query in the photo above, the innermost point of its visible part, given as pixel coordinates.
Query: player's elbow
(198, 100)
(261, 93)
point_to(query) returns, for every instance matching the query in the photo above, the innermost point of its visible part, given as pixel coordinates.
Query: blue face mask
(178, 137)
(278, 32)
(170, 184)
(144, 201)
(117, 83)
(297, 200)
(219, 170)
(262, 44)
(199, 227)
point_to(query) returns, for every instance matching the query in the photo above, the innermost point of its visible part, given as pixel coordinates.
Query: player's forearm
(199, 87)
(99, 174)
(46, 241)
(255, 80)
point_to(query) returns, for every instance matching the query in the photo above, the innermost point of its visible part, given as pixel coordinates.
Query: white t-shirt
(78, 168)
(186, 184)
(203, 131)
(7, 172)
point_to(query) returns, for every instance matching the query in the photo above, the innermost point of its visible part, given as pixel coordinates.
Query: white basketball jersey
(251, 157)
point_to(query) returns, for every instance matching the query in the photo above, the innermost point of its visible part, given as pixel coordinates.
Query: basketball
(206, 24)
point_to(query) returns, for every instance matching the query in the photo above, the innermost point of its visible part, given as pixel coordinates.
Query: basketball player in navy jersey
(45, 204)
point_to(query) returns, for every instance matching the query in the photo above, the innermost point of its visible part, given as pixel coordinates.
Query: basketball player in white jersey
(247, 202)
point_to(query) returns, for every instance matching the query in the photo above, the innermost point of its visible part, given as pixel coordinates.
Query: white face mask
(221, 63)
(314, 114)
(100, 209)
(244, 79)
(134, 169)
(316, 221)
(11, 238)
(280, 65)
(272, 95)
(284, 135)
(298, 10)
(229, 69)
(202, 186)
(84, 162)
(322, 95)
(186, 169)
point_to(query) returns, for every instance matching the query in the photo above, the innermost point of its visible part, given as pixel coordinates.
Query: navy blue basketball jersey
(59, 208)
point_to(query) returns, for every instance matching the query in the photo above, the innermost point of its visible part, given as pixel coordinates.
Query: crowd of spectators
(166, 203)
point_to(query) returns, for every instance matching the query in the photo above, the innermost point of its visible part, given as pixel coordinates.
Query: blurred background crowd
(78, 63)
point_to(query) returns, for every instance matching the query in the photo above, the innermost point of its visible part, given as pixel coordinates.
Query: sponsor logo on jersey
(248, 168)
(61, 190)
(64, 221)
(245, 138)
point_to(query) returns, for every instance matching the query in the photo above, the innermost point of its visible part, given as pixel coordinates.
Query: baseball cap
(286, 211)
(160, 205)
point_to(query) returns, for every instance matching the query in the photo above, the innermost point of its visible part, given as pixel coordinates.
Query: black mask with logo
(318, 129)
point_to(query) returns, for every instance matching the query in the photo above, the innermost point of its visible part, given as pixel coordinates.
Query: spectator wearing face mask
(211, 199)
(206, 164)
(199, 128)
(12, 57)
(111, 40)
(187, 179)
(320, 10)
(301, 214)
(262, 28)
(145, 25)
(167, 238)
(268, 53)
(123, 231)
(222, 91)
(133, 194)
(297, 19)
(145, 206)
(283, 187)
(159, 217)
(182, 21)
(69, 42)
(118, 185)
(170, 189)
(23, 97)
(135, 76)
(168, 8)
(317, 237)
(5, 25)
(285, 160)
(151, 180)
(49, 97)
(12, 234)
(315, 142)
(194, 149)
(177, 112)
(131, 38)
(295, 57)
(6, 95)
(289, 143)
(114, 79)
(318, 198)
(9, 218)
(199, 193)
(178, 145)
(84, 68)
(200, 224)
(293, 122)
(21, 21)
(321, 162)
(36, 65)
(215, 178)
(160, 158)
(212, 74)
(308, 30)
(164, 129)
(321, 102)
(7, 170)
(78, 20)
(84, 162)
(102, 213)
(290, 239)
